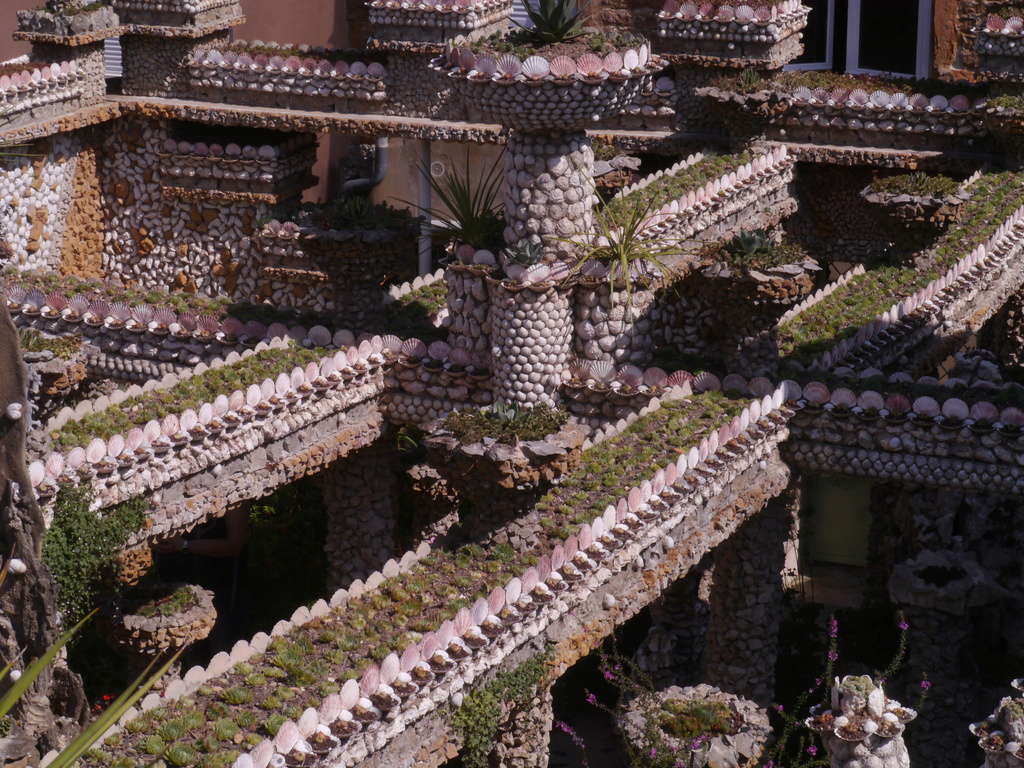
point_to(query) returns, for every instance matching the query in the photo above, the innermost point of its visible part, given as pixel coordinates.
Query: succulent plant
(525, 252)
(554, 21)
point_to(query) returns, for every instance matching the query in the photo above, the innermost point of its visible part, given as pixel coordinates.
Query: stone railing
(916, 317)
(433, 21)
(429, 381)
(764, 182)
(245, 74)
(281, 169)
(820, 295)
(843, 116)
(32, 91)
(646, 181)
(387, 698)
(930, 439)
(148, 457)
(766, 35)
(176, 13)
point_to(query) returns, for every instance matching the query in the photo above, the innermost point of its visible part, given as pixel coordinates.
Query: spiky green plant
(624, 247)
(471, 210)
(526, 253)
(554, 21)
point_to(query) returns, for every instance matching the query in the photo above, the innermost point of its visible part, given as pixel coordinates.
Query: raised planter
(840, 115)
(53, 378)
(177, 13)
(281, 170)
(1001, 734)
(741, 742)
(35, 91)
(153, 634)
(614, 324)
(921, 212)
(863, 725)
(999, 42)
(766, 35)
(273, 75)
(432, 21)
(71, 21)
(469, 306)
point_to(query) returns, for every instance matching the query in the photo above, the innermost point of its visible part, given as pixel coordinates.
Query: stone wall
(169, 243)
(36, 187)
(523, 739)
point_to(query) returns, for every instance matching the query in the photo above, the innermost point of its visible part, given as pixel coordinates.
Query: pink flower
(812, 750)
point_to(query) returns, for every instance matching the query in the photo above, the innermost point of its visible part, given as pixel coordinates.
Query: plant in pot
(547, 84)
(502, 457)
(470, 220)
(619, 271)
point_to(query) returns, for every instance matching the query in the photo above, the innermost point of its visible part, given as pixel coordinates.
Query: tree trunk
(54, 705)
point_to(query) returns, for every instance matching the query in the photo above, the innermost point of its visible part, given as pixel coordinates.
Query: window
(819, 36)
(889, 36)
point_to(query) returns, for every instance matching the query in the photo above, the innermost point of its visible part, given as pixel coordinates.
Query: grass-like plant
(917, 184)
(505, 423)
(471, 209)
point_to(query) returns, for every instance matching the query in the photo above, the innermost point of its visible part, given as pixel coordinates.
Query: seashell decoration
(562, 67)
(536, 68)
(590, 65)
(509, 66)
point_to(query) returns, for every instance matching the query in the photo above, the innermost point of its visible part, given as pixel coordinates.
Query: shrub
(504, 423)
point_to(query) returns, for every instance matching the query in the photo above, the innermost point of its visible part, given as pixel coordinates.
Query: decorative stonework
(151, 635)
(177, 13)
(432, 21)
(1001, 734)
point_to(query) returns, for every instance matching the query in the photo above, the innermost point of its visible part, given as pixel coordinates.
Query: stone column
(746, 601)
(531, 336)
(672, 652)
(524, 739)
(549, 189)
(360, 497)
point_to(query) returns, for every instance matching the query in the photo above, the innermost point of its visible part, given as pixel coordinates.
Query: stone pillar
(360, 497)
(746, 601)
(524, 739)
(611, 326)
(469, 316)
(531, 336)
(672, 652)
(549, 190)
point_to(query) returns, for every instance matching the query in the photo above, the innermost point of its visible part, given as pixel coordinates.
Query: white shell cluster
(1012, 26)
(173, 6)
(236, 68)
(40, 86)
(266, 163)
(935, 296)
(122, 455)
(463, 15)
(885, 101)
(589, 67)
(723, 21)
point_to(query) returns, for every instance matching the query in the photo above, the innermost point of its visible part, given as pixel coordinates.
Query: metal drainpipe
(380, 170)
(425, 242)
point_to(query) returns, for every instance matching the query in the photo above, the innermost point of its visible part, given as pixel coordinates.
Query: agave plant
(747, 247)
(554, 21)
(472, 210)
(624, 248)
(526, 253)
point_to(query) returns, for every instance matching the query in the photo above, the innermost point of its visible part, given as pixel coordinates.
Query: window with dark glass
(888, 36)
(816, 34)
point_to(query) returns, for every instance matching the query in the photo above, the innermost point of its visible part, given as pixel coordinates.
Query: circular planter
(918, 212)
(743, 746)
(151, 635)
(561, 95)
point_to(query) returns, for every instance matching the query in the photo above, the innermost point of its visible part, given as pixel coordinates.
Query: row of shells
(672, 170)
(743, 14)
(859, 98)
(160, 321)
(697, 200)
(234, 151)
(443, 6)
(602, 376)
(179, 6)
(384, 689)
(507, 66)
(1012, 26)
(979, 261)
(820, 295)
(854, 717)
(40, 77)
(952, 410)
(225, 412)
(231, 59)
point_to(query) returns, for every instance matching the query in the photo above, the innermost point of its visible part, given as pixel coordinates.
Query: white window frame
(830, 43)
(923, 58)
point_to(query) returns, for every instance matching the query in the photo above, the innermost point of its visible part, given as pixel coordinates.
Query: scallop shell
(707, 382)
(898, 404)
(880, 99)
(602, 370)
(994, 23)
(644, 52)
(467, 59)
(349, 693)
(926, 406)
(816, 393)
(859, 97)
(960, 103)
(630, 60)
(612, 62)
(590, 64)
(938, 101)
(536, 67)
(414, 348)
(744, 14)
(688, 11)
(655, 377)
(513, 590)
(984, 411)
(486, 65)
(438, 350)
(509, 65)
(919, 101)
(956, 409)
(562, 67)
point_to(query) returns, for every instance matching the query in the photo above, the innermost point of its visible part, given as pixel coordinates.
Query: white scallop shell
(536, 67)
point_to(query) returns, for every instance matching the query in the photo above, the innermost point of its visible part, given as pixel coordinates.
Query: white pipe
(425, 242)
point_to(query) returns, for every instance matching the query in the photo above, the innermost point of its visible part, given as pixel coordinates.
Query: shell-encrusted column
(531, 338)
(863, 727)
(1001, 734)
(359, 493)
(469, 321)
(523, 740)
(940, 593)
(549, 190)
(613, 325)
(746, 601)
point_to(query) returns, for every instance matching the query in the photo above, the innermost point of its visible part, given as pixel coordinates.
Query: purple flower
(833, 655)
(903, 626)
(608, 675)
(812, 750)
(591, 699)
(926, 684)
(653, 752)
(770, 764)
(833, 627)
(779, 708)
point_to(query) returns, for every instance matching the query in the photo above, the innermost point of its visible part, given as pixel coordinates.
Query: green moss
(756, 250)
(176, 602)
(346, 213)
(686, 720)
(80, 546)
(750, 81)
(188, 393)
(918, 184)
(506, 425)
(1007, 101)
(64, 347)
(670, 187)
(412, 314)
(479, 717)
